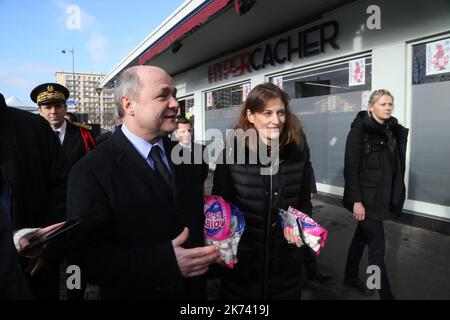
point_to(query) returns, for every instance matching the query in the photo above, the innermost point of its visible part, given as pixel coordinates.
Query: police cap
(49, 92)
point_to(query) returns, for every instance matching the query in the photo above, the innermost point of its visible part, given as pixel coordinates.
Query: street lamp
(99, 91)
(73, 71)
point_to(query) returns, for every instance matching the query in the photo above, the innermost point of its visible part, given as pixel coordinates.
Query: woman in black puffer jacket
(374, 172)
(268, 266)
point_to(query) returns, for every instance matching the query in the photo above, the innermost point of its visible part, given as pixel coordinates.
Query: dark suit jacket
(103, 137)
(73, 147)
(130, 219)
(31, 161)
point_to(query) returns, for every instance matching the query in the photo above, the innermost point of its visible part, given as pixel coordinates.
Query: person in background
(71, 117)
(374, 184)
(183, 133)
(313, 273)
(76, 139)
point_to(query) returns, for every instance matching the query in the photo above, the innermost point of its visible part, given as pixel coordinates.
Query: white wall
(389, 72)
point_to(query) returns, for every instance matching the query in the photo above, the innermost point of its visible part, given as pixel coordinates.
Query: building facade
(328, 56)
(87, 100)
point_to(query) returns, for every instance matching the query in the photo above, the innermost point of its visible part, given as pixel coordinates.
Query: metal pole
(99, 110)
(73, 79)
(99, 91)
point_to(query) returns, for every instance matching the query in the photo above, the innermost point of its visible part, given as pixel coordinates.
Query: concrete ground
(417, 260)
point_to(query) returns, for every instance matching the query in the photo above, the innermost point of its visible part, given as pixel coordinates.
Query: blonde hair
(377, 94)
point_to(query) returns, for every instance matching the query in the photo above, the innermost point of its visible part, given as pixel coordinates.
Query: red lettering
(245, 62)
(236, 69)
(227, 67)
(210, 74)
(217, 72)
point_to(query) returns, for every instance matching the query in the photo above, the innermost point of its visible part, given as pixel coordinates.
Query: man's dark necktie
(5, 195)
(57, 135)
(159, 167)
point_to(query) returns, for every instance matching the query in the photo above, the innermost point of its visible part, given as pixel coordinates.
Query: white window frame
(416, 207)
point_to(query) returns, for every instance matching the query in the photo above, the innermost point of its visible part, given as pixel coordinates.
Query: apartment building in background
(90, 103)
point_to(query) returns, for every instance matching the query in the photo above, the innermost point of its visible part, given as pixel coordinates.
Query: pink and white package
(224, 225)
(313, 234)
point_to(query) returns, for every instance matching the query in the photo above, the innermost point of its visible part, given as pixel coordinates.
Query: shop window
(429, 175)
(326, 100)
(222, 110)
(222, 107)
(224, 98)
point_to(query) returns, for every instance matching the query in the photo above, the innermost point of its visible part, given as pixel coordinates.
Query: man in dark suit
(76, 139)
(32, 188)
(142, 230)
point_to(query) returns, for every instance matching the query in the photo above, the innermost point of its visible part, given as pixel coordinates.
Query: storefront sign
(306, 43)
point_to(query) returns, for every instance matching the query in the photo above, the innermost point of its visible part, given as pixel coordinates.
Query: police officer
(76, 139)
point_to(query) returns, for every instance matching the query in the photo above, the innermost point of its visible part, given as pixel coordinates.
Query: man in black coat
(30, 167)
(76, 139)
(142, 230)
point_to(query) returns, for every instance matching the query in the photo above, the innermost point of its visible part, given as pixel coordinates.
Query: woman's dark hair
(257, 99)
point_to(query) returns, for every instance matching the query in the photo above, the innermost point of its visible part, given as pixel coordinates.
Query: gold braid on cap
(46, 96)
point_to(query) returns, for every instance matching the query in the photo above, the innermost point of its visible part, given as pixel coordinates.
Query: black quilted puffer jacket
(267, 268)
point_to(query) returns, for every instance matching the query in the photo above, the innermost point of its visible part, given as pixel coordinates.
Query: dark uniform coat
(74, 146)
(130, 218)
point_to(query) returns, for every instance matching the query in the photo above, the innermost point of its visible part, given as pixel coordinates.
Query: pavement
(417, 260)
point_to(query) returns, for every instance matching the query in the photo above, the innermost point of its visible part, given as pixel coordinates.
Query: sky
(34, 32)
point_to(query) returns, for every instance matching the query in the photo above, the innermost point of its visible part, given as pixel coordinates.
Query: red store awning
(195, 18)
